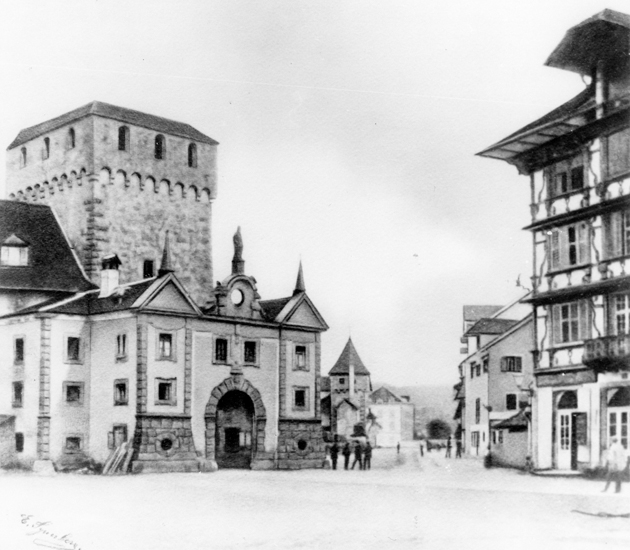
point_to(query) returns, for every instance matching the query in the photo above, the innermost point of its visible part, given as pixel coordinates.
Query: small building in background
(394, 415)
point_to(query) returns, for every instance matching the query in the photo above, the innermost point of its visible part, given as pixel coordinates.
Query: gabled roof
(52, 265)
(519, 420)
(386, 395)
(491, 326)
(349, 401)
(474, 313)
(298, 310)
(138, 295)
(121, 114)
(349, 355)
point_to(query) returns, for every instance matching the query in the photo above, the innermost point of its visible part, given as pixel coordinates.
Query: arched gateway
(235, 423)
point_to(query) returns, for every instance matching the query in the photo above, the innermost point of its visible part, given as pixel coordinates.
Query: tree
(438, 429)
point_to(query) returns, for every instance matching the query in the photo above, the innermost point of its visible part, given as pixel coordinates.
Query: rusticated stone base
(300, 445)
(164, 443)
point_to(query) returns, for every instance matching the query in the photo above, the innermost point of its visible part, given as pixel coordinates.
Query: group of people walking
(362, 455)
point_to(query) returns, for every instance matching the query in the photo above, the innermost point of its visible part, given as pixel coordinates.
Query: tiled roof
(385, 395)
(121, 114)
(519, 420)
(52, 265)
(491, 326)
(349, 355)
(272, 308)
(474, 313)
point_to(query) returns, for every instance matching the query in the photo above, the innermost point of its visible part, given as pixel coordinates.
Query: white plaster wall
(544, 422)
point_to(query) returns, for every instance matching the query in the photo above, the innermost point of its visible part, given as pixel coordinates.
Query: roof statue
(238, 264)
(166, 266)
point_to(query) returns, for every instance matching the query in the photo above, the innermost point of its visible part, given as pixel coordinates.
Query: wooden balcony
(609, 353)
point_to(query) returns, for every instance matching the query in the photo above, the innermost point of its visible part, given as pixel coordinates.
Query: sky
(348, 132)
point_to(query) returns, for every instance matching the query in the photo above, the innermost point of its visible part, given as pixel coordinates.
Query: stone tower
(119, 179)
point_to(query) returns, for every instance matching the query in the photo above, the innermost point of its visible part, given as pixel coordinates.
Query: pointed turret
(238, 264)
(166, 266)
(299, 284)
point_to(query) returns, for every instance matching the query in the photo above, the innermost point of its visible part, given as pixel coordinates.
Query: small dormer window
(14, 252)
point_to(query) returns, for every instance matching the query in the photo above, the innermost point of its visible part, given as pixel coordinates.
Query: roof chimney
(238, 264)
(109, 275)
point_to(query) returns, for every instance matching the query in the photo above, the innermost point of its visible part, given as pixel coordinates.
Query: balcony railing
(609, 353)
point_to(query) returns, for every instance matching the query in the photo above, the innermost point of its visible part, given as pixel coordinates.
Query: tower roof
(121, 114)
(349, 356)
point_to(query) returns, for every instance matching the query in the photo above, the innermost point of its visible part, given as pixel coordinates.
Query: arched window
(46, 148)
(23, 157)
(568, 400)
(160, 146)
(71, 137)
(192, 155)
(123, 138)
(14, 252)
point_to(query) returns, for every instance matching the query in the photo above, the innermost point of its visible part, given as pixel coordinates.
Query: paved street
(404, 502)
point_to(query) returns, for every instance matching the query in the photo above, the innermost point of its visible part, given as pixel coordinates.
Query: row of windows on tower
(159, 147)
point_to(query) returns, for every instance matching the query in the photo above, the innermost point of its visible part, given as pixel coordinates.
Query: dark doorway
(234, 442)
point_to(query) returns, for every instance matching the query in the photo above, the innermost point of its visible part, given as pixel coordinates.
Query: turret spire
(299, 284)
(166, 266)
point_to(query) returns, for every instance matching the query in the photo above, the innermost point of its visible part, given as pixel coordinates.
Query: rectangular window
(619, 305)
(565, 177)
(121, 346)
(342, 381)
(618, 153)
(121, 395)
(473, 368)
(73, 392)
(511, 364)
(147, 269)
(117, 436)
(477, 411)
(165, 391)
(249, 352)
(500, 437)
(300, 357)
(617, 234)
(73, 349)
(569, 246)
(510, 401)
(18, 351)
(73, 444)
(571, 322)
(485, 364)
(18, 394)
(474, 439)
(165, 346)
(220, 350)
(300, 399)
(14, 256)
(19, 442)
(478, 370)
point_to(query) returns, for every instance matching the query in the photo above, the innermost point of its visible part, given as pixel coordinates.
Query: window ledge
(121, 404)
(122, 358)
(17, 405)
(568, 269)
(166, 403)
(569, 194)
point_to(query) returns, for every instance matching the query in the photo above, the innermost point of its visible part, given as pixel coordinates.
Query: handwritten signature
(43, 535)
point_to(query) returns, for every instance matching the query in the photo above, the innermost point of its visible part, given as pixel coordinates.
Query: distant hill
(430, 401)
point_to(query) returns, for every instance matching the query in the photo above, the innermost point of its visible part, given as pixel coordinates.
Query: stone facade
(300, 445)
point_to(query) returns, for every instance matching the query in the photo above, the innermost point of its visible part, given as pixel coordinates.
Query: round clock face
(237, 297)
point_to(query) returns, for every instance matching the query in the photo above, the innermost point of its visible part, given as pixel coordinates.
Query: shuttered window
(617, 234)
(569, 246)
(618, 153)
(564, 177)
(571, 322)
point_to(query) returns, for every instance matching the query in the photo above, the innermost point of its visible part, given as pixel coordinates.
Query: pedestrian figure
(421, 449)
(398, 448)
(458, 448)
(346, 455)
(334, 453)
(449, 445)
(367, 457)
(616, 462)
(358, 456)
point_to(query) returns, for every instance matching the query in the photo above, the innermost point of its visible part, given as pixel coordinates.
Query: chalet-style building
(577, 158)
(96, 356)
(349, 385)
